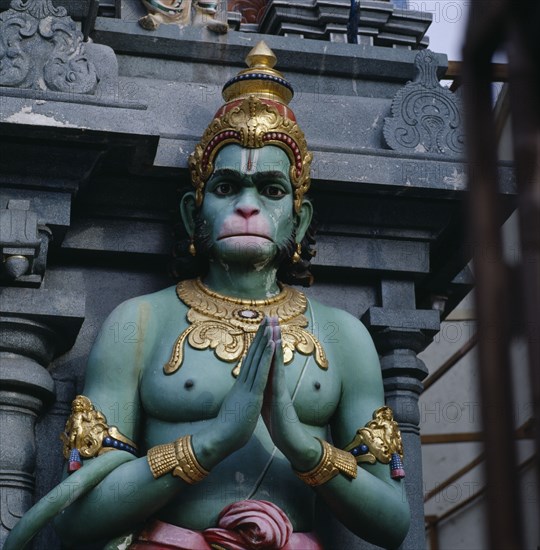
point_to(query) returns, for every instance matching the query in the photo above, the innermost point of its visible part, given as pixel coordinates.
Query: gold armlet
(178, 458)
(380, 440)
(88, 435)
(333, 462)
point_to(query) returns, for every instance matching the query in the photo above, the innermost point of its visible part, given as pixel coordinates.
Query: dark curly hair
(186, 266)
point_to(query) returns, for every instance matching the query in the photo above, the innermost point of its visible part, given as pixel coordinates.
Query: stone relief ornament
(41, 48)
(202, 13)
(426, 117)
(228, 325)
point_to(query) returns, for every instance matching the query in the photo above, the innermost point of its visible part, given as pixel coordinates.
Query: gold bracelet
(333, 462)
(162, 459)
(178, 458)
(188, 467)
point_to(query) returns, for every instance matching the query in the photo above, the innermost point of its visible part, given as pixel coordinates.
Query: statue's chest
(196, 390)
(203, 343)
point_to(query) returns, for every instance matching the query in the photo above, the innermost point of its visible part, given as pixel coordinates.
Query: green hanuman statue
(228, 400)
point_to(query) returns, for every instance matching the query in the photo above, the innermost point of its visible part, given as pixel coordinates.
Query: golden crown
(255, 114)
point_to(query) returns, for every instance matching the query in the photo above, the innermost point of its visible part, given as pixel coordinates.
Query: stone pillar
(26, 387)
(400, 332)
(36, 325)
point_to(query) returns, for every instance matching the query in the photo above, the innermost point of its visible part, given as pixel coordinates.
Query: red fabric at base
(243, 525)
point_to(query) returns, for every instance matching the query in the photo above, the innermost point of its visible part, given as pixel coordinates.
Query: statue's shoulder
(349, 342)
(348, 325)
(138, 320)
(146, 306)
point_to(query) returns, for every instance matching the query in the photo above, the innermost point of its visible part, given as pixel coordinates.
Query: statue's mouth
(256, 235)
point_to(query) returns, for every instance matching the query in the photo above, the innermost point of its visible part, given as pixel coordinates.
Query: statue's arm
(129, 494)
(373, 505)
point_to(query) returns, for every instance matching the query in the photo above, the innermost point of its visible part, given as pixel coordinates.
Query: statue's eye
(273, 191)
(223, 189)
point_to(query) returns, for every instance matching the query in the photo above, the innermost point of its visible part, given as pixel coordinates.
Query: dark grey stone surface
(294, 54)
(379, 22)
(58, 309)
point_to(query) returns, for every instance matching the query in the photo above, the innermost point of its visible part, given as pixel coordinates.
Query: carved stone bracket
(426, 117)
(23, 244)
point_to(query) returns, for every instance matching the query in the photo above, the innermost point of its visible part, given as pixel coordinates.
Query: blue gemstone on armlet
(364, 448)
(115, 444)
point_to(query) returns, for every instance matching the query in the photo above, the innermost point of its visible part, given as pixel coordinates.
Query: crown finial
(260, 79)
(261, 57)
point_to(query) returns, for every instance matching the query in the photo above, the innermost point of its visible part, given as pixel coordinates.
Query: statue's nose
(247, 206)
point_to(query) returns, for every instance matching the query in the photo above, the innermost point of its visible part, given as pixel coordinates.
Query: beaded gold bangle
(162, 459)
(188, 467)
(333, 462)
(178, 458)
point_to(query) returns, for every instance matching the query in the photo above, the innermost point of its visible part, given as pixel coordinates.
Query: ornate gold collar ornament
(256, 114)
(228, 325)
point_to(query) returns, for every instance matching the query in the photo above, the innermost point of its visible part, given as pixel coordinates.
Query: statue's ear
(303, 219)
(188, 208)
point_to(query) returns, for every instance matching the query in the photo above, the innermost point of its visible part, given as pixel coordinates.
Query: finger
(257, 355)
(278, 372)
(276, 330)
(263, 336)
(261, 374)
(278, 358)
(276, 338)
(274, 322)
(248, 359)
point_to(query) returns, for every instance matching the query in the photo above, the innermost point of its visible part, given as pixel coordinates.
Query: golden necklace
(228, 325)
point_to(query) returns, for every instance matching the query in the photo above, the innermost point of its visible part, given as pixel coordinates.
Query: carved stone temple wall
(92, 152)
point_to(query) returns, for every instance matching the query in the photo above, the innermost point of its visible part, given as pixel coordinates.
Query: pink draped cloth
(243, 525)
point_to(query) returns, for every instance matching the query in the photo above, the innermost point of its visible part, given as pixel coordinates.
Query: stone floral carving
(426, 117)
(41, 48)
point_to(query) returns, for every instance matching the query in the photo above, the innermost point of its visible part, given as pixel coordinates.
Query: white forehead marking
(250, 157)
